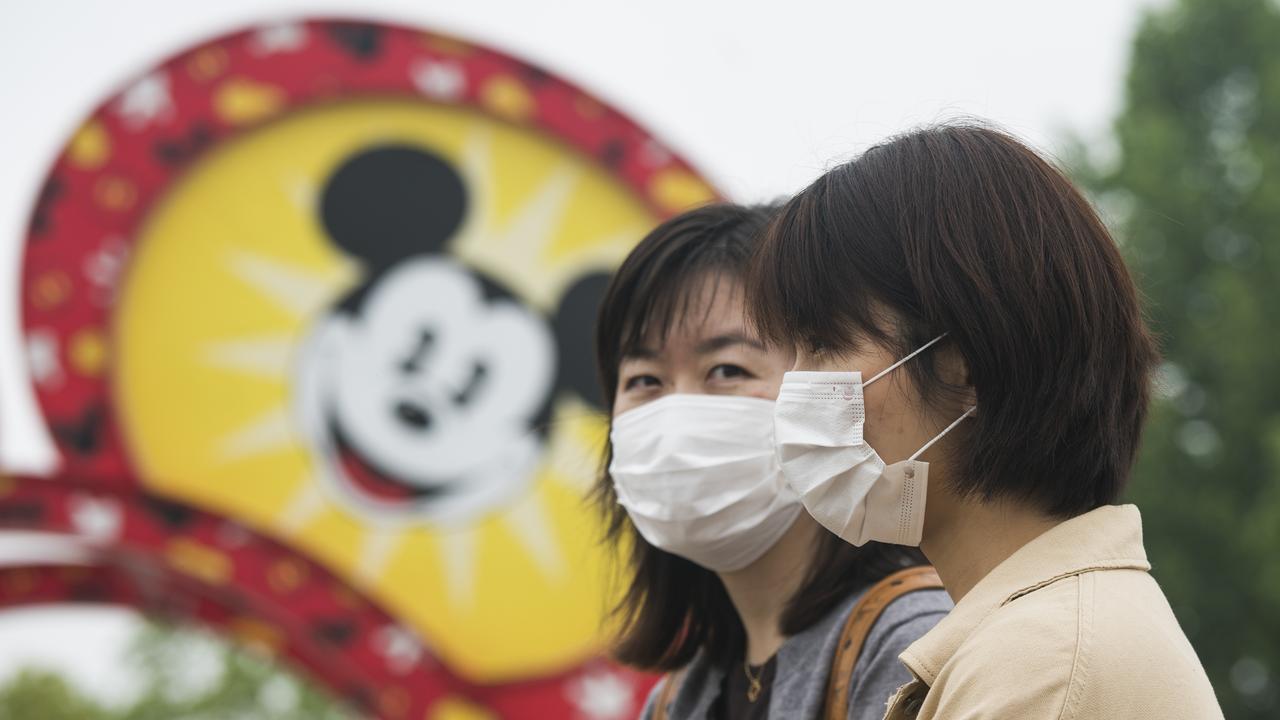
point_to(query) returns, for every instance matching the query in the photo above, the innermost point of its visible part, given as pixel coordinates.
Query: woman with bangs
(972, 363)
(752, 607)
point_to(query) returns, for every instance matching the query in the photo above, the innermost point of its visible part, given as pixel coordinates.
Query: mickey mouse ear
(389, 202)
(575, 324)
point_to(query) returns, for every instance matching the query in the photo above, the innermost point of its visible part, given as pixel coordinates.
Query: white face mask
(841, 480)
(699, 478)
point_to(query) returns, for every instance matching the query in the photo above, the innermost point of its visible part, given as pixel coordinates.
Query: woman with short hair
(972, 361)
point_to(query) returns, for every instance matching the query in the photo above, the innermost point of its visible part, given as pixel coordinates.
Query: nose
(413, 416)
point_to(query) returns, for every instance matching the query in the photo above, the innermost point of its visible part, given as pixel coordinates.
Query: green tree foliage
(40, 694)
(244, 687)
(1194, 195)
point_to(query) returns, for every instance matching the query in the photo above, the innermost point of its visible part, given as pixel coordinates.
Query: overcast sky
(760, 96)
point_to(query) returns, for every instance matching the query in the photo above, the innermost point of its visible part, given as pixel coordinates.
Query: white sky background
(760, 96)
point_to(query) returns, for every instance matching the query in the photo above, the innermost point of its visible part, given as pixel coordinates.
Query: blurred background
(1167, 111)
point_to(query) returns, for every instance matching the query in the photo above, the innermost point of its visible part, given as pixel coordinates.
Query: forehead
(710, 305)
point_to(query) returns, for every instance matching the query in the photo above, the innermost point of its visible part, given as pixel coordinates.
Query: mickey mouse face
(421, 391)
(423, 402)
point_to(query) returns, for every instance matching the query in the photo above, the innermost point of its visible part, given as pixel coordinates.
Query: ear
(388, 202)
(574, 326)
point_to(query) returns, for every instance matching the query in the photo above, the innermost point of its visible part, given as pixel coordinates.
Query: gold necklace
(754, 687)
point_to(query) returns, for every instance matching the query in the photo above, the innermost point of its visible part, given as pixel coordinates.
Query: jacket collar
(1108, 538)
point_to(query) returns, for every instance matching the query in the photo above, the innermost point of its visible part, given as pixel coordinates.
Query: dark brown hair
(964, 230)
(672, 607)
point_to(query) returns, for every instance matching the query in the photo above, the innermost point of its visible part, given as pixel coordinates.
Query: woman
(731, 583)
(1007, 369)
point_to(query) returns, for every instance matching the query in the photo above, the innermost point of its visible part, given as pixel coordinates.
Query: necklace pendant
(754, 684)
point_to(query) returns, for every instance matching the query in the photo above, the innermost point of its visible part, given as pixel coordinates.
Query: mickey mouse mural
(427, 389)
(333, 283)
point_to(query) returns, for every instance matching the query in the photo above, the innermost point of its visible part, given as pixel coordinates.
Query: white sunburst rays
(529, 521)
(302, 293)
(376, 550)
(515, 251)
(303, 194)
(299, 291)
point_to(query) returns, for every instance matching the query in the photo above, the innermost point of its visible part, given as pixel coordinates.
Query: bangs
(683, 296)
(791, 282)
(663, 282)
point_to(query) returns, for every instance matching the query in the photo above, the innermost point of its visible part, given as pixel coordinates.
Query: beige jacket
(1070, 626)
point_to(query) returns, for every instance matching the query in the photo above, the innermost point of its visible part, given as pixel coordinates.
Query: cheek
(771, 382)
(894, 426)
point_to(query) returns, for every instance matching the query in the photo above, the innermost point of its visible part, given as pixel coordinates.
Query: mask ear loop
(895, 366)
(938, 437)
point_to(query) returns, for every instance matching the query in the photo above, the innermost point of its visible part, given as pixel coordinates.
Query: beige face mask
(841, 480)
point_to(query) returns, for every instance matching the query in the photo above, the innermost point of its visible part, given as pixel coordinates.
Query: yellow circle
(207, 64)
(115, 193)
(231, 272)
(446, 45)
(198, 561)
(240, 102)
(50, 290)
(508, 98)
(89, 352)
(257, 636)
(286, 575)
(90, 146)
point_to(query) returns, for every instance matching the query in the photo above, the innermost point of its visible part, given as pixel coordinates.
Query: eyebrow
(706, 347)
(721, 342)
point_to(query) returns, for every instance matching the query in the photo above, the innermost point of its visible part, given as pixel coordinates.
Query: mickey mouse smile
(368, 478)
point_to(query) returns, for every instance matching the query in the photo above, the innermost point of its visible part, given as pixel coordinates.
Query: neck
(762, 590)
(968, 539)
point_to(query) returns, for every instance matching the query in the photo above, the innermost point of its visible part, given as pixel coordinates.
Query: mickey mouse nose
(413, 416)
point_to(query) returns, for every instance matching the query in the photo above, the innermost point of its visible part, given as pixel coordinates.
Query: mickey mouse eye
(479, 372)
(413, 363)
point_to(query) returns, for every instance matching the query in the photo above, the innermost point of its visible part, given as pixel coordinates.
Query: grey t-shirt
(804, 664)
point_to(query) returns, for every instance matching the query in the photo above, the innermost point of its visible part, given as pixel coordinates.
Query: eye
(479, 372)
(641, 382)
(413, 363)
(728, 372)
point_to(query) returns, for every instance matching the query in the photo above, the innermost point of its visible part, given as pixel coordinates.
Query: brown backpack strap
(671, 683)
(858, 626)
